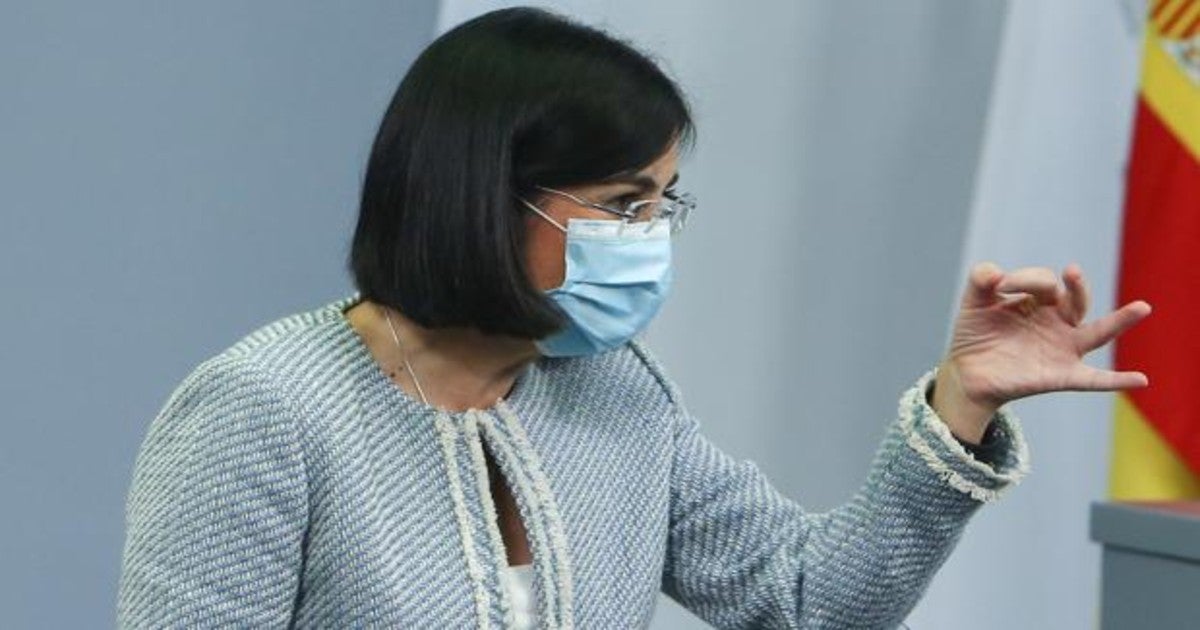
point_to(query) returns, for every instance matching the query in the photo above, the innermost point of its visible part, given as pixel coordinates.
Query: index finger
(1078, 295)
(981, 285)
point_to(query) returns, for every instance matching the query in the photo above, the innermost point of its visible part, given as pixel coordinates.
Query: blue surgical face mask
(617, 276)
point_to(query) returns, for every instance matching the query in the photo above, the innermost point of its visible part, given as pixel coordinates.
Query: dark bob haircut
(506, 101)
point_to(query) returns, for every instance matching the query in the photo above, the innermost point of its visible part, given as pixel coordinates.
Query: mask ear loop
(543, 214)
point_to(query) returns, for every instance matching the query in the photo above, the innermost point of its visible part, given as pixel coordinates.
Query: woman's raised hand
(1022, 333)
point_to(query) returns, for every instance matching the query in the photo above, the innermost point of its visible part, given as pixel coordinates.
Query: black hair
(508, 100)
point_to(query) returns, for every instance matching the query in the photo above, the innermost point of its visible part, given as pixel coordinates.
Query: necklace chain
(404, 355)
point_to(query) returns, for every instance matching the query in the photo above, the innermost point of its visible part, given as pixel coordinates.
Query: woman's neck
(457, 368)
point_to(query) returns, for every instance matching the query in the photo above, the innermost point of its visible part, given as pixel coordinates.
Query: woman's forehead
(662, 172)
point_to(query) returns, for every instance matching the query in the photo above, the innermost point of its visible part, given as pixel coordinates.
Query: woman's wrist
(967, 419)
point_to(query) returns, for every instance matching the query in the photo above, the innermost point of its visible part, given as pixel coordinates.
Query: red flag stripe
(1160, 263)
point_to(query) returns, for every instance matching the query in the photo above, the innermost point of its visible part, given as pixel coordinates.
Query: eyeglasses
(673, 206)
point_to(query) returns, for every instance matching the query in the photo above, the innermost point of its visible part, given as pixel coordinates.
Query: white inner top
(518, 579)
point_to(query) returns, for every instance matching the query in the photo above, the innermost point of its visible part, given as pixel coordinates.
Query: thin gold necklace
(404, 355)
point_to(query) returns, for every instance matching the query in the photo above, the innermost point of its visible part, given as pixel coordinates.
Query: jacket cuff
(930, 437)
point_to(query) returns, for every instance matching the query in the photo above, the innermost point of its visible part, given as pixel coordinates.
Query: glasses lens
(640, 210)
(674, 208)
(678, 207)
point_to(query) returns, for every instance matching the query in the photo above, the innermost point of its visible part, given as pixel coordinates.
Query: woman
(474, 439)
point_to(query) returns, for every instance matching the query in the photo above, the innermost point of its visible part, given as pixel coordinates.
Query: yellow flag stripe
(1144, 466)
(1171, 94)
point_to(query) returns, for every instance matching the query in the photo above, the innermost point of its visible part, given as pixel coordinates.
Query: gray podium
(1150, 566)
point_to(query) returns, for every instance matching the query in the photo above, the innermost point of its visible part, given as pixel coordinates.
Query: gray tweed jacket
(287, 482)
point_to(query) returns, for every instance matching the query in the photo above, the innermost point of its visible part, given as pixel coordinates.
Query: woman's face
(545, 252)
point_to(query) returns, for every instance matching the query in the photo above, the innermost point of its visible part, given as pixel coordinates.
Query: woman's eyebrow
(644, 183)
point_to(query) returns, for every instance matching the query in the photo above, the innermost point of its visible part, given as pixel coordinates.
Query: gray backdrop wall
(1049, 191)
(172, 175)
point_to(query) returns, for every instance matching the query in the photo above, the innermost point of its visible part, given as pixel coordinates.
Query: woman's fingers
(1103, 330)
(1040, 282)
(1078, 299)
(981, 285)
(1086, 378)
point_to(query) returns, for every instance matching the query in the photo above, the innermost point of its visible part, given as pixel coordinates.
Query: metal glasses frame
(674, 207)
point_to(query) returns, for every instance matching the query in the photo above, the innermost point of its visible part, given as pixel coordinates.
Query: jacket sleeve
(217, 509)
(740, 555)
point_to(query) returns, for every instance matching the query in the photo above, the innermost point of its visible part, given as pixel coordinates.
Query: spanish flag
(1156, 449)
